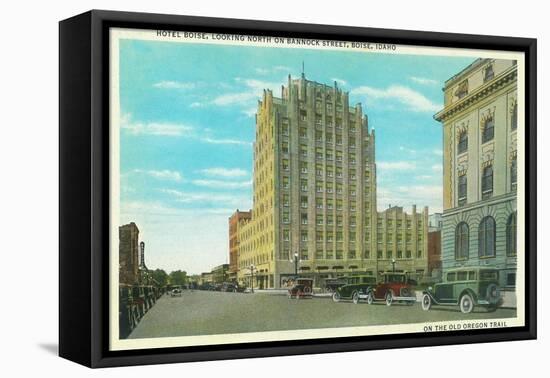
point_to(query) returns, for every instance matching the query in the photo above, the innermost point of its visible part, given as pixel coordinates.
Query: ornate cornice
(479, 94)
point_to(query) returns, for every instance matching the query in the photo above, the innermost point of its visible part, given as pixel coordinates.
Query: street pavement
(209, 312)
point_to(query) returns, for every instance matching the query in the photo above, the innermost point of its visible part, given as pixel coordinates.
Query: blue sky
(187, 128)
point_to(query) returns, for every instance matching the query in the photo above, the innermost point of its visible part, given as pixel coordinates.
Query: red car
(393, 287)
(302, 288)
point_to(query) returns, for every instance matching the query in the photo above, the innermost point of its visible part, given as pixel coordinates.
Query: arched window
(487, 237)
(462, 241)
(488, 130)
(463, 142)
(511, 238)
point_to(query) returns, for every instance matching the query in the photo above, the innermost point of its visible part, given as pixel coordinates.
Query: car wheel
(426, 302)
(389, 298)
(355, 297)
(370, 298)
(466, 304)
(336, 297)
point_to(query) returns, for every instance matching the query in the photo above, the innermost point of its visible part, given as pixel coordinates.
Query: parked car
(331, 284)
(176, 292)
(354, 288)
(467, 288)
(302, 288)
(394, 286)
(231, 287)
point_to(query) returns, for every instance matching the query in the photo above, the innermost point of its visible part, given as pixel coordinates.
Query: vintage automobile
(302, 288)
(176, 292)
(355, 288)
(467, 288)
(394, 286)
(331, 284)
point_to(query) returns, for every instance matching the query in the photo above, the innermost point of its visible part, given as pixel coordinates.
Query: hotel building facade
(480, 168)
(314, 194)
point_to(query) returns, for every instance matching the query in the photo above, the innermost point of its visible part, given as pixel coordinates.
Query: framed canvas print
(235, 188)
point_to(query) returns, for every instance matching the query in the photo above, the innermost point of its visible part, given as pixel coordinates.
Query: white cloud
(196, 104)
(226, 141)
(253, 92)
(162, 174)
(395, 165)
(413, 100)
(270, 70)
(423, 80)
(407, 150)
(197, 198)
(219, 184)
(167, 84)
(153, 128)
(225, 172)
(438, 152)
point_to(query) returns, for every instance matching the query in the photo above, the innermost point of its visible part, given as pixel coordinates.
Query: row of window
(488, 131)
(486, 238)
(352, 254)
(486, 182)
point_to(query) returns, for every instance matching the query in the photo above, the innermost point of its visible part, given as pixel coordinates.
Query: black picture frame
(84, 187)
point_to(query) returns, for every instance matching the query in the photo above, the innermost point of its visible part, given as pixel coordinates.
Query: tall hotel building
(480, 122)
(315, 194)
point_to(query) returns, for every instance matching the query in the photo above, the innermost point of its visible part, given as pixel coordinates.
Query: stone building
(235, 221)
(128, 254)
(480, 120)
(315, 193)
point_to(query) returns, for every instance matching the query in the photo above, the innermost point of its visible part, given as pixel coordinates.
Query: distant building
(434, 255)
(435, 222)
(128, 254)
(206, 277)
(220, 273)
(235, 221)
(480, 121)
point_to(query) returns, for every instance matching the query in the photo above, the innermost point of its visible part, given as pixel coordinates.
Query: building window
(319, 236)
(286, 200)
(515, 117)
(462, 190)
(303, 202)
(319, 203)
(285, 165)
(304, 185)
(408, 254)
(379, 254)
(462, 89)
(284, 147)
(389, 255)
(304, 236)
(489, 73)
(285, 182)
(514, 173)
(367, 254)
(303, 167)
(319, 220)
(304, 218)
(352, 254)
(463, 142)
(486, 237)
(487, 182)
(286, 235)
(419, 254)
(511, 279)
(303, 132)
(511, 236)
(488, 130)
(462, 241)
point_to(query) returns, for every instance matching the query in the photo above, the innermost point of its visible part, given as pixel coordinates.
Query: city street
(208, 312)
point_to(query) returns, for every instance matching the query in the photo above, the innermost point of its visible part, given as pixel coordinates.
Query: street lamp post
(393, 264)
(252, 278)
(296, 260)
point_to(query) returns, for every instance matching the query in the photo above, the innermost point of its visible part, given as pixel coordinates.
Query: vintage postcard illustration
(268, 188)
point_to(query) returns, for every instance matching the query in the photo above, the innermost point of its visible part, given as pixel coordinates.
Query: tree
(178, 277)
(160, 276)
